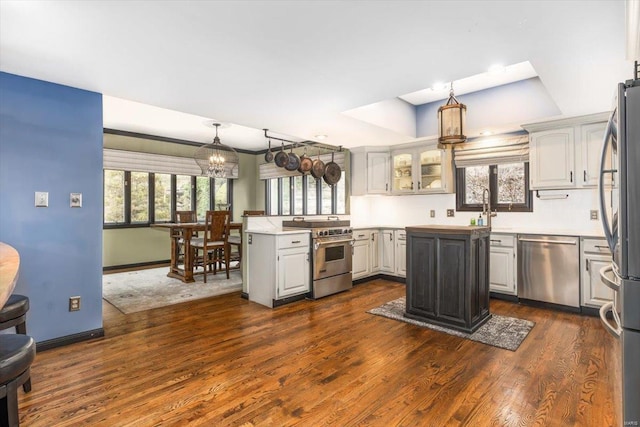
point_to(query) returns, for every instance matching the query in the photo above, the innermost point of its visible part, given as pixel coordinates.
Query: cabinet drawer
(598, 246)
(362, 234)
(502, 240)
(293, 240)
(401, 235)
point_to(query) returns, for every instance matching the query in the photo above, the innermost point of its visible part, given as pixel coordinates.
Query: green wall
(124, 246)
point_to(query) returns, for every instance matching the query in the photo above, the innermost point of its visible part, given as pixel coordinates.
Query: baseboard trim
(590, 311)
(380, 276)
(549, 305)
(244, 295)
(161, 263)
(287, 300)
(69, 339)
(505, 297)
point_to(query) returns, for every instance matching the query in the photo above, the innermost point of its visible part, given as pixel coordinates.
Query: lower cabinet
(278, 266)
(361, 266)
(387, 251)
(401, 253)
(448, 276)
(502, 277)
(374, 255)
(594, 255)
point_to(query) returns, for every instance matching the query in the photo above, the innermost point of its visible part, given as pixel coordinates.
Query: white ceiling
(295, 66)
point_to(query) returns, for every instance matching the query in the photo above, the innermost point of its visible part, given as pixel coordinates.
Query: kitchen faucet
(486, 206)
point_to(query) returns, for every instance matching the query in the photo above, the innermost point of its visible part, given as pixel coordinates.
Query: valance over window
(493, 151)
(157, 163)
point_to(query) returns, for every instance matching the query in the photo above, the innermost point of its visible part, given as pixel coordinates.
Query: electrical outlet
(74, 303)
(450, 212)
(594, 215)
(432, 213)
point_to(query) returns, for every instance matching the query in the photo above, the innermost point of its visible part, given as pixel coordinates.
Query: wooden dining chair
(236, 240)
(183, 217)
(214, 245)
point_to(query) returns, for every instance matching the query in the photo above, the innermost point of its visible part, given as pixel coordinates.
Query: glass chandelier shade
(451, 122)
(216, 160)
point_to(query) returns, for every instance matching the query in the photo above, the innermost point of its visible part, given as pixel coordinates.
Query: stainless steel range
(332, 244)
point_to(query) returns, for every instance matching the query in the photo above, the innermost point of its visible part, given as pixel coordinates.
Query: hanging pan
(281, 158)
(332, 172)
(268, 156)
(306, 162)
(294, 161)
(317, 169)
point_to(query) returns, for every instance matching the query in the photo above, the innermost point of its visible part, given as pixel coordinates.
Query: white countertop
(276, 231)
(514, 230)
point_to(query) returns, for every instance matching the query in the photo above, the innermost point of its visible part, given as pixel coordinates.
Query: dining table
(181, 235)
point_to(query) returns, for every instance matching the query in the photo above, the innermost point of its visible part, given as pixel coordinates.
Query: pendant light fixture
(216, 160)
(451, 122)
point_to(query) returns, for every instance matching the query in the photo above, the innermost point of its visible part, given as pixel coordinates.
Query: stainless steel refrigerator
(620, 209)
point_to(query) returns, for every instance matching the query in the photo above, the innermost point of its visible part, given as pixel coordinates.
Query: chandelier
(451, 122)
(216, 160)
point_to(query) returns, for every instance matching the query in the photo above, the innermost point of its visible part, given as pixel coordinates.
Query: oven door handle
(608, 281)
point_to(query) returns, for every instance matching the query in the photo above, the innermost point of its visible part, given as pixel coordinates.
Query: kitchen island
(448, 275)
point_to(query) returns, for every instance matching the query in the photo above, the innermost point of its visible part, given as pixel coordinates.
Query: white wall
(571, 214)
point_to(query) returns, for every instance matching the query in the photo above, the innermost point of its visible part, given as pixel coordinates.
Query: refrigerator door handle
(609, 231)
(616, 331)
(607, 280)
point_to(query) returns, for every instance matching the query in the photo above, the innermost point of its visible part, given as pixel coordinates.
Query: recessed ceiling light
(320, 137)
(497, 69)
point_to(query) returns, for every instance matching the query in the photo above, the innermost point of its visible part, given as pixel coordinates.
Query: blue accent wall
(51, 140)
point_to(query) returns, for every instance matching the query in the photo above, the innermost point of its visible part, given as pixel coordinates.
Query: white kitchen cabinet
(374, 258)
(278, 266)
(361, 266)
(551, 158)
(591, 139)
(401, 253)
(369, 171)
(502, 278)
(421, 170)
(566, 153)
(387, 251)
(594, 255)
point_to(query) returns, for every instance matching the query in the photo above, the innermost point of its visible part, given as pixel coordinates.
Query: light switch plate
(594, 215)
(42, 199)
(449, 212)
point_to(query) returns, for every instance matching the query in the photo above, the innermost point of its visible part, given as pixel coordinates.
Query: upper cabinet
(566, 153)
(421, 170)
(370, 171)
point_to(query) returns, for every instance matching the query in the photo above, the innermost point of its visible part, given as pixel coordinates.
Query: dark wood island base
(448, 276)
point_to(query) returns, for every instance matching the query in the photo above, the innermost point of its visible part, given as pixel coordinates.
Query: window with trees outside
(133, 199)
(507, 183)
(304, 195)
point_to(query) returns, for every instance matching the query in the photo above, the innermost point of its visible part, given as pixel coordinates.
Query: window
(298, 195)
(508, 184)
(113, 197)
(135, 199)
(139, 183)
(163, 197)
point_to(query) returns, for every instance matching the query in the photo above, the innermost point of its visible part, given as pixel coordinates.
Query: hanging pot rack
(328, 148)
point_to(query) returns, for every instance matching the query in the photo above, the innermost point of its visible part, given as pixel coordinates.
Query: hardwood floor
(228, 361)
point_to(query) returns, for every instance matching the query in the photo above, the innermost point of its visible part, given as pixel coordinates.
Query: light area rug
(142, 290)
(499, 331)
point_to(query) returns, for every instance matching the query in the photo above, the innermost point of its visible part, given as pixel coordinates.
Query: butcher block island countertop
(448, 275)
(9, 265)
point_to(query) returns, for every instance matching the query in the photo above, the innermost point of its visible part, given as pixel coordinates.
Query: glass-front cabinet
(422, 170)
(403, 175)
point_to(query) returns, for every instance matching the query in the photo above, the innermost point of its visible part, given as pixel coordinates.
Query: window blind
(492, 151)
(157, 163)
(270, 170)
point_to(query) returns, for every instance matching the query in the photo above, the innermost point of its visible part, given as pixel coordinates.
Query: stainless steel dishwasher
(548, 269)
